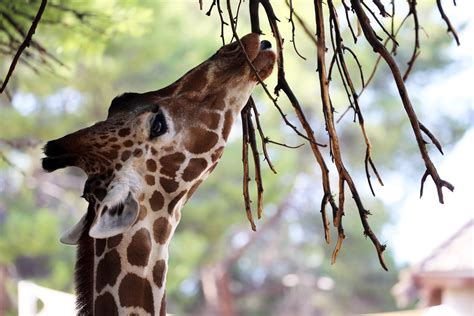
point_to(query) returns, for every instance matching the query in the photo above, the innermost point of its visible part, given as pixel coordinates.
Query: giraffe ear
(73, 234)
(115, 219)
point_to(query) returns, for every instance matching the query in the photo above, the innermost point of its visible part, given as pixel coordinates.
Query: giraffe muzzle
(51, 164)
(264, 45)
(58, 154)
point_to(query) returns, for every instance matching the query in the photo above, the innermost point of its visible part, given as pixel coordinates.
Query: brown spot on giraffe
(159, 272)
(137, 152)
(108, 270)
(170, 163)
(128, 143)
(194, 168)
(124, 132)
(138, 251)
(151, 165)
(200, 140)
(157, 201)
(135, 291)
(125, 155)
(105, 305)
(150, 179)
(169, 185)
(210, 119)
(161, 230)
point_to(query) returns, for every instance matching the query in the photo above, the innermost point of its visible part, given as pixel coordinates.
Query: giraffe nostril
(265, 45)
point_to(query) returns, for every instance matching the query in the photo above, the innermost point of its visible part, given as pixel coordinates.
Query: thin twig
(25, 44)
(416, 50)
(256, 160)
(262, 135)
(245, 161)
(451, 29)
(290, 20)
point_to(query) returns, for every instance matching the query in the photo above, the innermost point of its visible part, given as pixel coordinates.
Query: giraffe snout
(265, 45)
(57, 156)
(54, 148)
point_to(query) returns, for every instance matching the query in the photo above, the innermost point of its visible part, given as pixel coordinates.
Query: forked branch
(380, 49)
(329, 24)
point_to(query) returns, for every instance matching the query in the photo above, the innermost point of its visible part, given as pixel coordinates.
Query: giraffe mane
(84, 269)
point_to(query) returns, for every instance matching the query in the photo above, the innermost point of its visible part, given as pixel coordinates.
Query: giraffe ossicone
(142, 164)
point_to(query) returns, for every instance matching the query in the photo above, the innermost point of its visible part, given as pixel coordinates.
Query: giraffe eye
(158, 126)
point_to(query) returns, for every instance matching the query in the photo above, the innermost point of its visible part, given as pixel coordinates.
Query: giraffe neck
(130, 269)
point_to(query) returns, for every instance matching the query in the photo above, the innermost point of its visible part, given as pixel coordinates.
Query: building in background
(445, 278)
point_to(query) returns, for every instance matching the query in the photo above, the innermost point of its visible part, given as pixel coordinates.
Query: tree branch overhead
(327, 22)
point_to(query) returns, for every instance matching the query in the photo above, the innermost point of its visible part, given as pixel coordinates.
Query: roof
(450, 265)
(455, 255)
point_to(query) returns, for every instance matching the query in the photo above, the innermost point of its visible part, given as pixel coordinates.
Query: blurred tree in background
(87, 52)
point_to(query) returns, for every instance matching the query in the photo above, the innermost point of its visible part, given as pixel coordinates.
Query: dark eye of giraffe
(158, 125)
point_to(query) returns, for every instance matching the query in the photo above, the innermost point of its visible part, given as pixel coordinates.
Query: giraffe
(142, 164)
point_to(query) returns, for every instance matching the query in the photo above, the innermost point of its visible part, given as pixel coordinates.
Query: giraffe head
(155, 148)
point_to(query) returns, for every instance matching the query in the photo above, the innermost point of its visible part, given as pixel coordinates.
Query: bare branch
(262, 135)
(245, 161)
(25, 44)
(380, 49)
(256, 159)
(448, 22)
(416, 50)
(290, 19)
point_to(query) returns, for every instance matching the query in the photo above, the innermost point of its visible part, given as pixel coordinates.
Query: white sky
(424, 223)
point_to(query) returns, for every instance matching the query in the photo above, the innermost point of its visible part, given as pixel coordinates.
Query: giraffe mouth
(57, 156)
(264, 61)
(53, 163)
